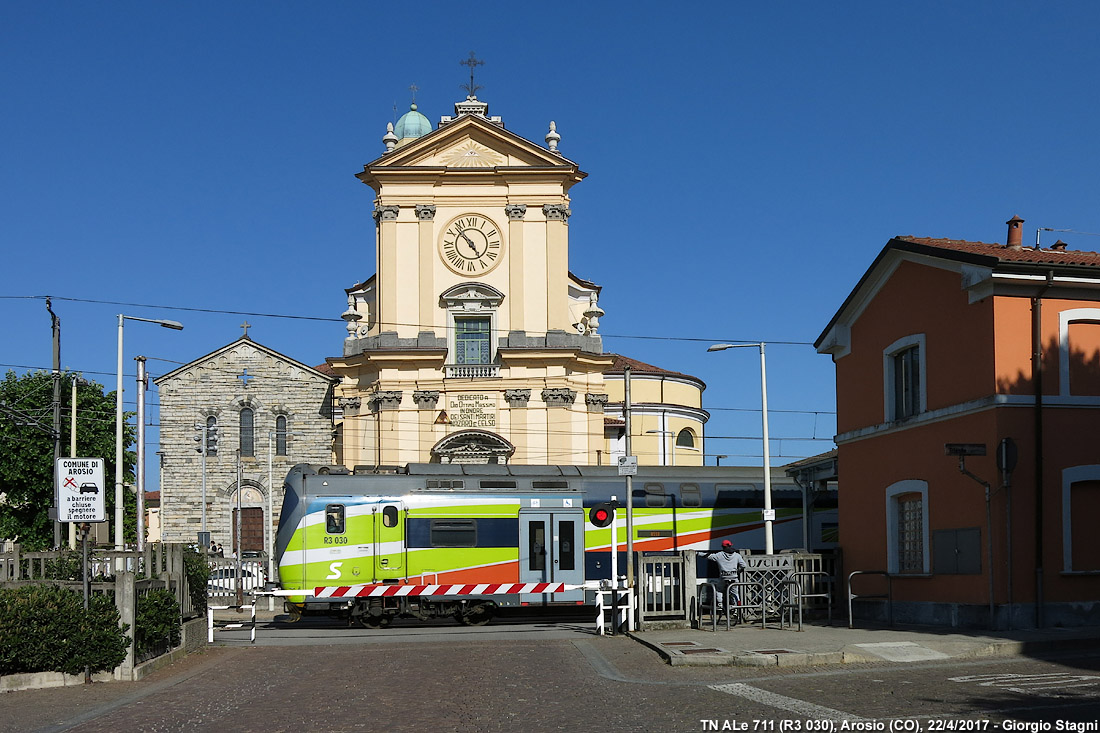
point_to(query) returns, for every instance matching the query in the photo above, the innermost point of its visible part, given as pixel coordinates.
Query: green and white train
(436, 540)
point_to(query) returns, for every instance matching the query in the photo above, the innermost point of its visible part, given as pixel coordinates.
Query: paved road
(535, 677)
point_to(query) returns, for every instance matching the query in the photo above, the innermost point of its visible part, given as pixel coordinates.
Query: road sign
(628, 465)
(80, 490)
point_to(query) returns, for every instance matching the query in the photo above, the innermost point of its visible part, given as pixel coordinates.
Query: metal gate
(666, 588)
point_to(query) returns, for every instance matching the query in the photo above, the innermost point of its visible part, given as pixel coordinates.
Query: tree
(26, 452)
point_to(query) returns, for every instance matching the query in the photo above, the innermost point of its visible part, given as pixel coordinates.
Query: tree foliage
(26, 452)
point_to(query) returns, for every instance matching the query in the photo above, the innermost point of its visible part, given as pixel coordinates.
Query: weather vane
(472, 62)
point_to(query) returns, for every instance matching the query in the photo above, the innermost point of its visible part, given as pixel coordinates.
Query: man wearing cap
(730, 564)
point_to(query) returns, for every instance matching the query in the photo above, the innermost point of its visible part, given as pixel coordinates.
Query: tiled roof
(1025, 256)
(621, 362)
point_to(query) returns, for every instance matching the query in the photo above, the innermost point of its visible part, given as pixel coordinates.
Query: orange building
(937, 345)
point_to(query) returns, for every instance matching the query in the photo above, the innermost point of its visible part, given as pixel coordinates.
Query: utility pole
(56, 326)
(142, 386)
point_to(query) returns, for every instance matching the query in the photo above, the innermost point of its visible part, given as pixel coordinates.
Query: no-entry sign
(80, 490)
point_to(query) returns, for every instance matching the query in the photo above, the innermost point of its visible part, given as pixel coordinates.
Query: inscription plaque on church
(472, 410)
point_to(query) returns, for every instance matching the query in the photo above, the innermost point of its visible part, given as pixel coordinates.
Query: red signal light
(602, 515)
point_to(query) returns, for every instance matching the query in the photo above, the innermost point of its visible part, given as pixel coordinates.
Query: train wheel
(368, 621)
(477, 615)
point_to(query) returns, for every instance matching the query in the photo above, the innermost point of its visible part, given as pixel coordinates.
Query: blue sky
(746, 163)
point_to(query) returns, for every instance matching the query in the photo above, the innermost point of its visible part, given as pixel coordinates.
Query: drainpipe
(1037, 379)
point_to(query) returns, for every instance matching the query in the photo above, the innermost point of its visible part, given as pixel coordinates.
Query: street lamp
(671, 442)
(718, 459)
(769, 513)
(175, 325)
(268, 530)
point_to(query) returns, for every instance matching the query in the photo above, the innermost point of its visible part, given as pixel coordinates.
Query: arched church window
(280, 435)
(248, 432)
(684, 439)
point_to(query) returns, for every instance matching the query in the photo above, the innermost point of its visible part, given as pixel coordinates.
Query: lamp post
(718, 459)
(769, 515)
(174, 325)
(672, 443)
(269, 532)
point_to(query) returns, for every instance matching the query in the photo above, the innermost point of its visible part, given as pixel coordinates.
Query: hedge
(46, 629)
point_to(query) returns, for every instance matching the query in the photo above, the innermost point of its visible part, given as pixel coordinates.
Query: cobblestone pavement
(458, 686)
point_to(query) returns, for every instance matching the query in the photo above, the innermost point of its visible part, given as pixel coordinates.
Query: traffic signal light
(602, 515)
(210, 447)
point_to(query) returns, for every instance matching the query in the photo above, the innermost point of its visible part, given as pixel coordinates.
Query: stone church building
(272, 409)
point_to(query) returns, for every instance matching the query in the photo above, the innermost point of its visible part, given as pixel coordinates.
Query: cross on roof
(414, 89)
(472, 62)
(246, 325)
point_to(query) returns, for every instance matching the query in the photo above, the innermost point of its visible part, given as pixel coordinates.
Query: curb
(715, 657)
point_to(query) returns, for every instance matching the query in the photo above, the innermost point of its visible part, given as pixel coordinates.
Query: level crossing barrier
(620, 601)
(888, 596)
(226, 626)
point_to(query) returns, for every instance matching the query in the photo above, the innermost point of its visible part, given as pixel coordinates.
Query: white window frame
(1071, 476)
(472, 300)
(888, 354)
(893, 492)
(1065, 318)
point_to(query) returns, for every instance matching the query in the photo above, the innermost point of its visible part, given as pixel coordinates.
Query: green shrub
(156, 620)
(198, 573)
(46, 629)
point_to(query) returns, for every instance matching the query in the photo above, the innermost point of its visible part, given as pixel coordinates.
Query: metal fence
(124, 576)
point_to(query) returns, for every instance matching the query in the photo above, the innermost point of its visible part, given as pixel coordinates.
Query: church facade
(262, 412)
(473, 341)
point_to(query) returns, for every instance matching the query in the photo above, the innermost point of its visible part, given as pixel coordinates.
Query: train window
(690, 495)
(536, 546)
(567, 557)
(740, 496)
(497, 484)
(389, 516)
(655, 495)
(334, 519)
(549, 484)
(454, 532)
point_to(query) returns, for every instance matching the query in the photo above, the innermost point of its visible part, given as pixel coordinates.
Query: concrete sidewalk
(820, 644)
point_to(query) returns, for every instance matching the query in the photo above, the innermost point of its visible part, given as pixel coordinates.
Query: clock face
(471, 245)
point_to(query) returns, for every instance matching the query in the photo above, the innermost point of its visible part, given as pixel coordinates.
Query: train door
(551, 550)
(389, 541)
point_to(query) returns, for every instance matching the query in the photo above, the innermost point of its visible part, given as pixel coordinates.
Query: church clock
(471, 245)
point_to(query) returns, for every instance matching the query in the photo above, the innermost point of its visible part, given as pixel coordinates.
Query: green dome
(412, 124)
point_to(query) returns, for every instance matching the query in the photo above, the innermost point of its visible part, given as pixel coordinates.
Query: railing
(888, 595)
(798, 583)
(123, 575)
(471, 371)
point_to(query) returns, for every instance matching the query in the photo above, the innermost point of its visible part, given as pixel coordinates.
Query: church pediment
(232, 358)
(470, 142)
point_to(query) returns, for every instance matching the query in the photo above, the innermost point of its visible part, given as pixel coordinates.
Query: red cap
(727, 543)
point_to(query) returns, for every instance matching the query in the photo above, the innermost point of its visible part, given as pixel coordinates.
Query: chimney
(1015, 233)
(1059, 245)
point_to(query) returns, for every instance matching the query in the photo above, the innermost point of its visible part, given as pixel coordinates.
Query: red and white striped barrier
(480, 589)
